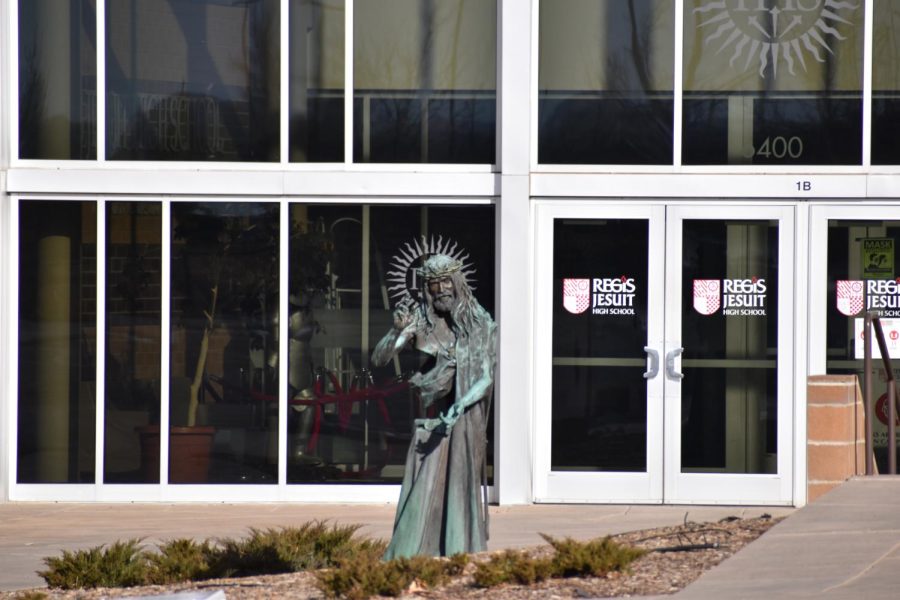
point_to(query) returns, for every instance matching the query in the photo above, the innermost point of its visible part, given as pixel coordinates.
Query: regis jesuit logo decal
(603, 295)
(849, 297)
(576, 295)
(706, 296)
(736, 297)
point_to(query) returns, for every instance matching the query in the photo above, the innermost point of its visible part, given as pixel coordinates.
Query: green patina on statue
(442, 509)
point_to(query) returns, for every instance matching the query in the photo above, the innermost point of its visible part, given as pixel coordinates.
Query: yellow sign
(878, 258)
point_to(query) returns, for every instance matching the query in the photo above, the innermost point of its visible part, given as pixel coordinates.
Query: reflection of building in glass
(676, 213)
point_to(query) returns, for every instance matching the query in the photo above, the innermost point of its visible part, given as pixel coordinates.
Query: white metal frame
(663, 480)
(559, 486)
(163, 492)
(728, 488)
(677, 93)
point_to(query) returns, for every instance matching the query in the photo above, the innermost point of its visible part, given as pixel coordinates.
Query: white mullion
(11, 318)
(100, 343)
(868, 29)
(283, 335)
(535, 84)
(165, 340)
(285, 87)
(678, 84)
(100, 43)
(13, 68)
(348, 82)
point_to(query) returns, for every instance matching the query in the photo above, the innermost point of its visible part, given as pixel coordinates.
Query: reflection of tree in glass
(229, 268)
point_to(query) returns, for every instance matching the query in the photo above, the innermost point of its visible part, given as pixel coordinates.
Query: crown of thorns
(439, 266)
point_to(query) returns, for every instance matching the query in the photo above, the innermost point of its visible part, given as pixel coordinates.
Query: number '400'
(778, 147)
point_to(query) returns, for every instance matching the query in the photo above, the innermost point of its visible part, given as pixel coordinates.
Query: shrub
(572, 559)
(363, 576)
(314, 545)
(180, 560)
(513, 567)
(593, 558)
(122, 564)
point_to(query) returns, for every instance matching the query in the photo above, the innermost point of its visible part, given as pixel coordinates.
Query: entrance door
(664, 353)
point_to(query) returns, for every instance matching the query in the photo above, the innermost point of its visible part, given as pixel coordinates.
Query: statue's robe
(441, 510)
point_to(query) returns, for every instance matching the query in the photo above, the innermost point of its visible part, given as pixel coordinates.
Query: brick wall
(835, 432)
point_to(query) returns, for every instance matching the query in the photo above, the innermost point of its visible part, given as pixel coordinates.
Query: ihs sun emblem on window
(769, 32)
(404, 283)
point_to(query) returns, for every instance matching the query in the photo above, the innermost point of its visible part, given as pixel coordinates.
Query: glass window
(133, 301)
(729, 396)
(317, 80)
(605, 82)
(886, 83)
(57, 79)
(862, 275)
(599, 391)
(192, 80)
(224, 343)
(425, 80)
(350, 265)
(57, 353)
(772, 82)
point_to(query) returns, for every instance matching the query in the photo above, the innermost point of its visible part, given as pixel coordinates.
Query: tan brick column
(835, 432)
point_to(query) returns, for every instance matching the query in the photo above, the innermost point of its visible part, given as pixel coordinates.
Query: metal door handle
(653, 369)
(670, 364)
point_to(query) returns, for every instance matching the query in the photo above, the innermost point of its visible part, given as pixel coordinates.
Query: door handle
(653, 369)
(670, 364)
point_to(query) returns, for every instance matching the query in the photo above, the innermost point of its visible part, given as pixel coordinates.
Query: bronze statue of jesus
(442, 510)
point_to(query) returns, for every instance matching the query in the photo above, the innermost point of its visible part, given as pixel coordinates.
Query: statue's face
(443, 293)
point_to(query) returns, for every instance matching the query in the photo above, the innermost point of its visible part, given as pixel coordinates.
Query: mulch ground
(678, 556)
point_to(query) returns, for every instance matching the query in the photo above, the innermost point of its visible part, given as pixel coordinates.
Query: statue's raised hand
(403, 318)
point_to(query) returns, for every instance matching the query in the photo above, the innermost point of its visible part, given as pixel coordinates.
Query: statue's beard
(444, 303)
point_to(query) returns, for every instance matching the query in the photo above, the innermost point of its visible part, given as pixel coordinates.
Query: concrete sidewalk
(31, 531)
(843, 546)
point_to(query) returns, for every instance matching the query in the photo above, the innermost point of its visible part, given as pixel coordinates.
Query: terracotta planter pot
(189, 453)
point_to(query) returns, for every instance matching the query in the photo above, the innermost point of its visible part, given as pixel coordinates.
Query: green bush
(572, 559)
(367, 575)
(593, 558)
(122, 564)
(180, 560)
(512, 567)
(314, 545)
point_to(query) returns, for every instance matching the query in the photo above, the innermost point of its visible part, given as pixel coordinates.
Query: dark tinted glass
(886, 83)
(57, 79)
(729, 332)
(192, 80)
(425, 80)
(862, 275)
(317, 80)
(224, 348)
(57, 354)
(350, 265)
(133, 328)
(772, 82)
(600, 283)
(605, 82)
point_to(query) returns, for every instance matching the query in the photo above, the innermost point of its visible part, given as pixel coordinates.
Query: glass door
(599, 334)
(729, 354)
(664, 353)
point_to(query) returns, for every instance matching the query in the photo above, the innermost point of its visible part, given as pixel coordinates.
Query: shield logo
(706, 296)
(850, 297)
(576, 295)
